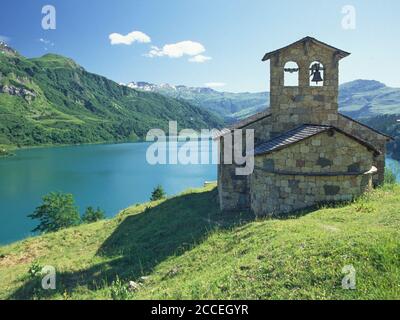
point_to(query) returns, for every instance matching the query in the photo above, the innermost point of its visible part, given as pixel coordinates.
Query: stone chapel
(306, 152)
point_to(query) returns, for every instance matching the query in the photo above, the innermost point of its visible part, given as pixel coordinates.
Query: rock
(173, 272)
(324, 162)
(16, 91)
(331, 190)
(133, 286)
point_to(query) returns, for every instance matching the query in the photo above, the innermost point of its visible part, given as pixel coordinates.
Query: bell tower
(304, 84)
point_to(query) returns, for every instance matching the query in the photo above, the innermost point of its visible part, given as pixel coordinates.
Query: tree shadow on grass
(142, 241)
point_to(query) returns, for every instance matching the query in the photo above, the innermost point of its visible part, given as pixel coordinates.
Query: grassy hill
(53, 100)
(184, 248)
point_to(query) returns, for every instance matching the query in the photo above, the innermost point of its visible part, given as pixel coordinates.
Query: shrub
(158, 193)
(58, 211)
(35, 270)
(92, 215)
(390, 177)
(119, 291)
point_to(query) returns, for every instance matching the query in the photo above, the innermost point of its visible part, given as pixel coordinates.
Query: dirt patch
(25, 255)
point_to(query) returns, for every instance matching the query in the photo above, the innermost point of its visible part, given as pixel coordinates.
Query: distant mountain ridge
(53, 100)
(368, 98)
(231, 106)
(358, 99)
(368, 101)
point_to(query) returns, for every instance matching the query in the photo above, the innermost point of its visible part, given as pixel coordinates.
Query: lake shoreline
(13, 148)
(42, 146)
(111, 176)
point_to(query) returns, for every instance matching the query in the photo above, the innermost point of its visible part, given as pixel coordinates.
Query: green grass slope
(184, 248)
(52, 100)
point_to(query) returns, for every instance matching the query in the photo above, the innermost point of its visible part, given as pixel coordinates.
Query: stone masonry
(302, 174)
(295, 167)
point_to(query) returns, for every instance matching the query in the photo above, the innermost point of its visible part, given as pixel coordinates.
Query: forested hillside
(52, 100)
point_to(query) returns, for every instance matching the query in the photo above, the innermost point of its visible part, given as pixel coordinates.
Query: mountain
(231, 106)
(368, 98)
(184, 248)
(358, 99)
(53, 100)
(368, 101)
(376, 105)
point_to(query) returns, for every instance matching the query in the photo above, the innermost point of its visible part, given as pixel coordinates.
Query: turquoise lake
(111, 176)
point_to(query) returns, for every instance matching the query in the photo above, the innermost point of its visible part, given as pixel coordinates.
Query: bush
(35, 270)
(58, 211)
(158, 194)
(119, 291)
(92, 215)
(390, 177)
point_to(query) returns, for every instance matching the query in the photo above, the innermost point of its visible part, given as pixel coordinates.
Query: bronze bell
(317, 77)
(316, 73)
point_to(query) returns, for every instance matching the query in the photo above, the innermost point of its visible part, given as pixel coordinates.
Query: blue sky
(233, 33)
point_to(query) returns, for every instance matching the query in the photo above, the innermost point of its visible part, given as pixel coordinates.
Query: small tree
(158, 193)
(58, 211)
(92, 215)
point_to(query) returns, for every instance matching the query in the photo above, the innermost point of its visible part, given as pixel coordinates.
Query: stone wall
(262, 130)
(319, 169)
(377, 140)
(234, 190)
(293, 106)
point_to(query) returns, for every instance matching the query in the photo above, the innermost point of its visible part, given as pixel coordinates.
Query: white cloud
(134, 36)
(154, 52)
(177, 50)
(199, 58)
(46, 42)
(215, 84)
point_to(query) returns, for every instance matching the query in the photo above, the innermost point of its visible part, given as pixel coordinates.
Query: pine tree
(158, 193)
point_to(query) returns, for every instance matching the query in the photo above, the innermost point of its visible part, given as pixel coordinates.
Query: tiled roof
(366, 126)
(264, 114)
(341, 53)
(243, 123)
(290, 137)
(303, 132)
(255, 117)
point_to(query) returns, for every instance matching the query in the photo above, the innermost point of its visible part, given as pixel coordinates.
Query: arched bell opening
(291, 74)
(317, 74)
